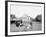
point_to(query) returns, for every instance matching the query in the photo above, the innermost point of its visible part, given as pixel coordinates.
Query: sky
(21, 10)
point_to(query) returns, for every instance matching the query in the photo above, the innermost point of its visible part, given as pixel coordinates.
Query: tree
(39, 18)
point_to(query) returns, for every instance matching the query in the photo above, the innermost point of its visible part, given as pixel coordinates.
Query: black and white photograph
(25, 18)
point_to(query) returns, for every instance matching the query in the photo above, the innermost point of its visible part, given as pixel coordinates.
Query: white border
(32, 32)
